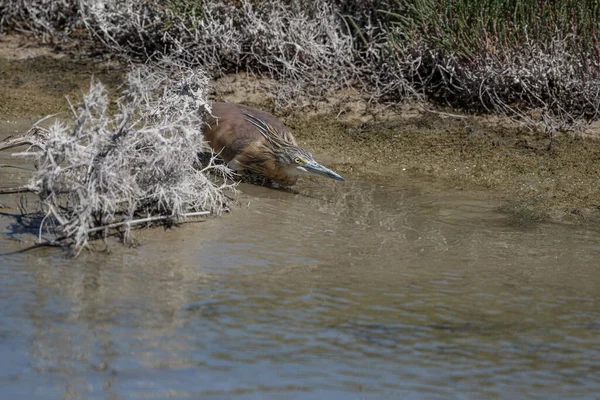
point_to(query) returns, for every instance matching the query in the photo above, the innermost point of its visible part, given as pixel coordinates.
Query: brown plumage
(254, 140)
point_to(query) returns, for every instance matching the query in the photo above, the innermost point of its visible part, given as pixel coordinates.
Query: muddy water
(401, 289)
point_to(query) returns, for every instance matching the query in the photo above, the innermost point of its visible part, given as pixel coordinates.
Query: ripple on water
(339, 291)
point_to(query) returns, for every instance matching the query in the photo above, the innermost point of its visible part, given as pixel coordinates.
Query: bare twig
(16, 167)
(145, 220)
(445, 114)
(19, 189)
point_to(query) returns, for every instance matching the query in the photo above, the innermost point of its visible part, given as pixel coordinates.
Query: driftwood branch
(16, 167)
(19, 189)
(35, 136)
(12, 142)
(145, 220)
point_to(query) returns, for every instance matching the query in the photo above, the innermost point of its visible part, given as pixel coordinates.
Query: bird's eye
(297, 160)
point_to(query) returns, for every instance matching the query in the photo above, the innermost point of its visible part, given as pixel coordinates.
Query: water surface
(402, 289)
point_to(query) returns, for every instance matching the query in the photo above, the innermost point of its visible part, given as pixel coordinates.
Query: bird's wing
(269, 132)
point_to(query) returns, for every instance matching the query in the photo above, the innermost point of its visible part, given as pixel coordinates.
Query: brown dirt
(560, 182)
(36, 79)
(540, 181)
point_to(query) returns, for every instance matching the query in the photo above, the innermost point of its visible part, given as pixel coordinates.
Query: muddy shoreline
(538, 180)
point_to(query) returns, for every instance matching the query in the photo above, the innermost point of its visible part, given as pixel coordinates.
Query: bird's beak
(314, 168)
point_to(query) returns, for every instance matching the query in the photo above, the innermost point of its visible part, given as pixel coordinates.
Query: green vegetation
(472, 27)
(509, 56)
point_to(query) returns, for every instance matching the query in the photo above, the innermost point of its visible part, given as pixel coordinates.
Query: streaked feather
(275, 137)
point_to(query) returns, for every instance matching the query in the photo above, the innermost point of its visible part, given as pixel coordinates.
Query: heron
(256, 141)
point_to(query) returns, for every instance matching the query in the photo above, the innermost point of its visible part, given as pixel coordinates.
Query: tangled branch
(105, 170)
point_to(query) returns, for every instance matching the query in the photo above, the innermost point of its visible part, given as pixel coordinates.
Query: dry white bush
(54, 17)
(111, 168)
(307, 47)
(545, 87)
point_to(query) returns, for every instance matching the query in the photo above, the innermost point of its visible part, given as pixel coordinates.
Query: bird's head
(298, 161)
(282, 147)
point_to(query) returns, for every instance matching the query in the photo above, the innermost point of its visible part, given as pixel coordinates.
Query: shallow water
(405, 289)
